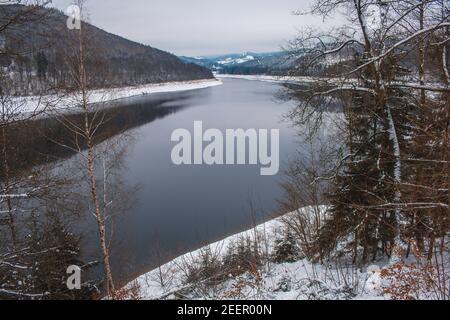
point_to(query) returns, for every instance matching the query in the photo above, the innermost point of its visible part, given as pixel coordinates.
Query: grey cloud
(200, 27)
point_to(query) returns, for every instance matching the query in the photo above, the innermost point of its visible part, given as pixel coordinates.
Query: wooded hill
(37, 47)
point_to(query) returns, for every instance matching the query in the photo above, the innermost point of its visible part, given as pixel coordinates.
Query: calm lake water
(181, 208)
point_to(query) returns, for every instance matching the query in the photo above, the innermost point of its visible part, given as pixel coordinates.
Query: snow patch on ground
(34, 104)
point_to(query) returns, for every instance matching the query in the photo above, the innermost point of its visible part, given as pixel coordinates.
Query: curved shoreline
(51, 103)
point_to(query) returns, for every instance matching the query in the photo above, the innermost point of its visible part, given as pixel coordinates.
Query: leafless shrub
(243, 286)
(335, 279)
(419, 279)
(206, 269)
(131, 292)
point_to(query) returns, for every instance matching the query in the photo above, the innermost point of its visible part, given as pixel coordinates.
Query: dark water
(161, 210)
(180, 208)
(174, 209)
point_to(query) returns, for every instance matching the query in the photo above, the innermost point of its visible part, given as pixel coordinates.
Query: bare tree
(96, 164)
(367, 64)
(14, 186)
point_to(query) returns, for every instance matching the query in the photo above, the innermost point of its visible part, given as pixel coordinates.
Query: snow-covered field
(54, 102)
(279, 281)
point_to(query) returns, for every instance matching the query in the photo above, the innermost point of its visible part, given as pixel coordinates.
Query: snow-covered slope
(245, 63)
(231, 61)
(301, 279)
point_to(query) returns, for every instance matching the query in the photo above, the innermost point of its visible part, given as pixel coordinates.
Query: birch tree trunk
(90, 168)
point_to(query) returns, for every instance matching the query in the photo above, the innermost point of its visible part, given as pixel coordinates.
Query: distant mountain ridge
(46, 42)
(272, 63)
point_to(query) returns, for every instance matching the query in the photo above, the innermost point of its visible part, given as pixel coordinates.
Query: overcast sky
(200, 27)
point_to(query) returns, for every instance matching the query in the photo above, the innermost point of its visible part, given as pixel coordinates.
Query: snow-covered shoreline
(54, 102)
(151, 289)
(349, 83)
(297, 275)
(266, 78)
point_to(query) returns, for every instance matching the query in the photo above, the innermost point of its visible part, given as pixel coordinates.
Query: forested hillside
(271, 63)
(36, 49)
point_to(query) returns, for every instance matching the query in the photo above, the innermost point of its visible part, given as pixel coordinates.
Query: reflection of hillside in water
(46, 140)
(52, 230)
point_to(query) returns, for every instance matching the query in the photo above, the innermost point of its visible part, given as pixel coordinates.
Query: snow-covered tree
(382, 67)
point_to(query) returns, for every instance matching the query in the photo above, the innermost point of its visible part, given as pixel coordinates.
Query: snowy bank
(265, 78)
(300, 279)
(347, 83)
(55, 102)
